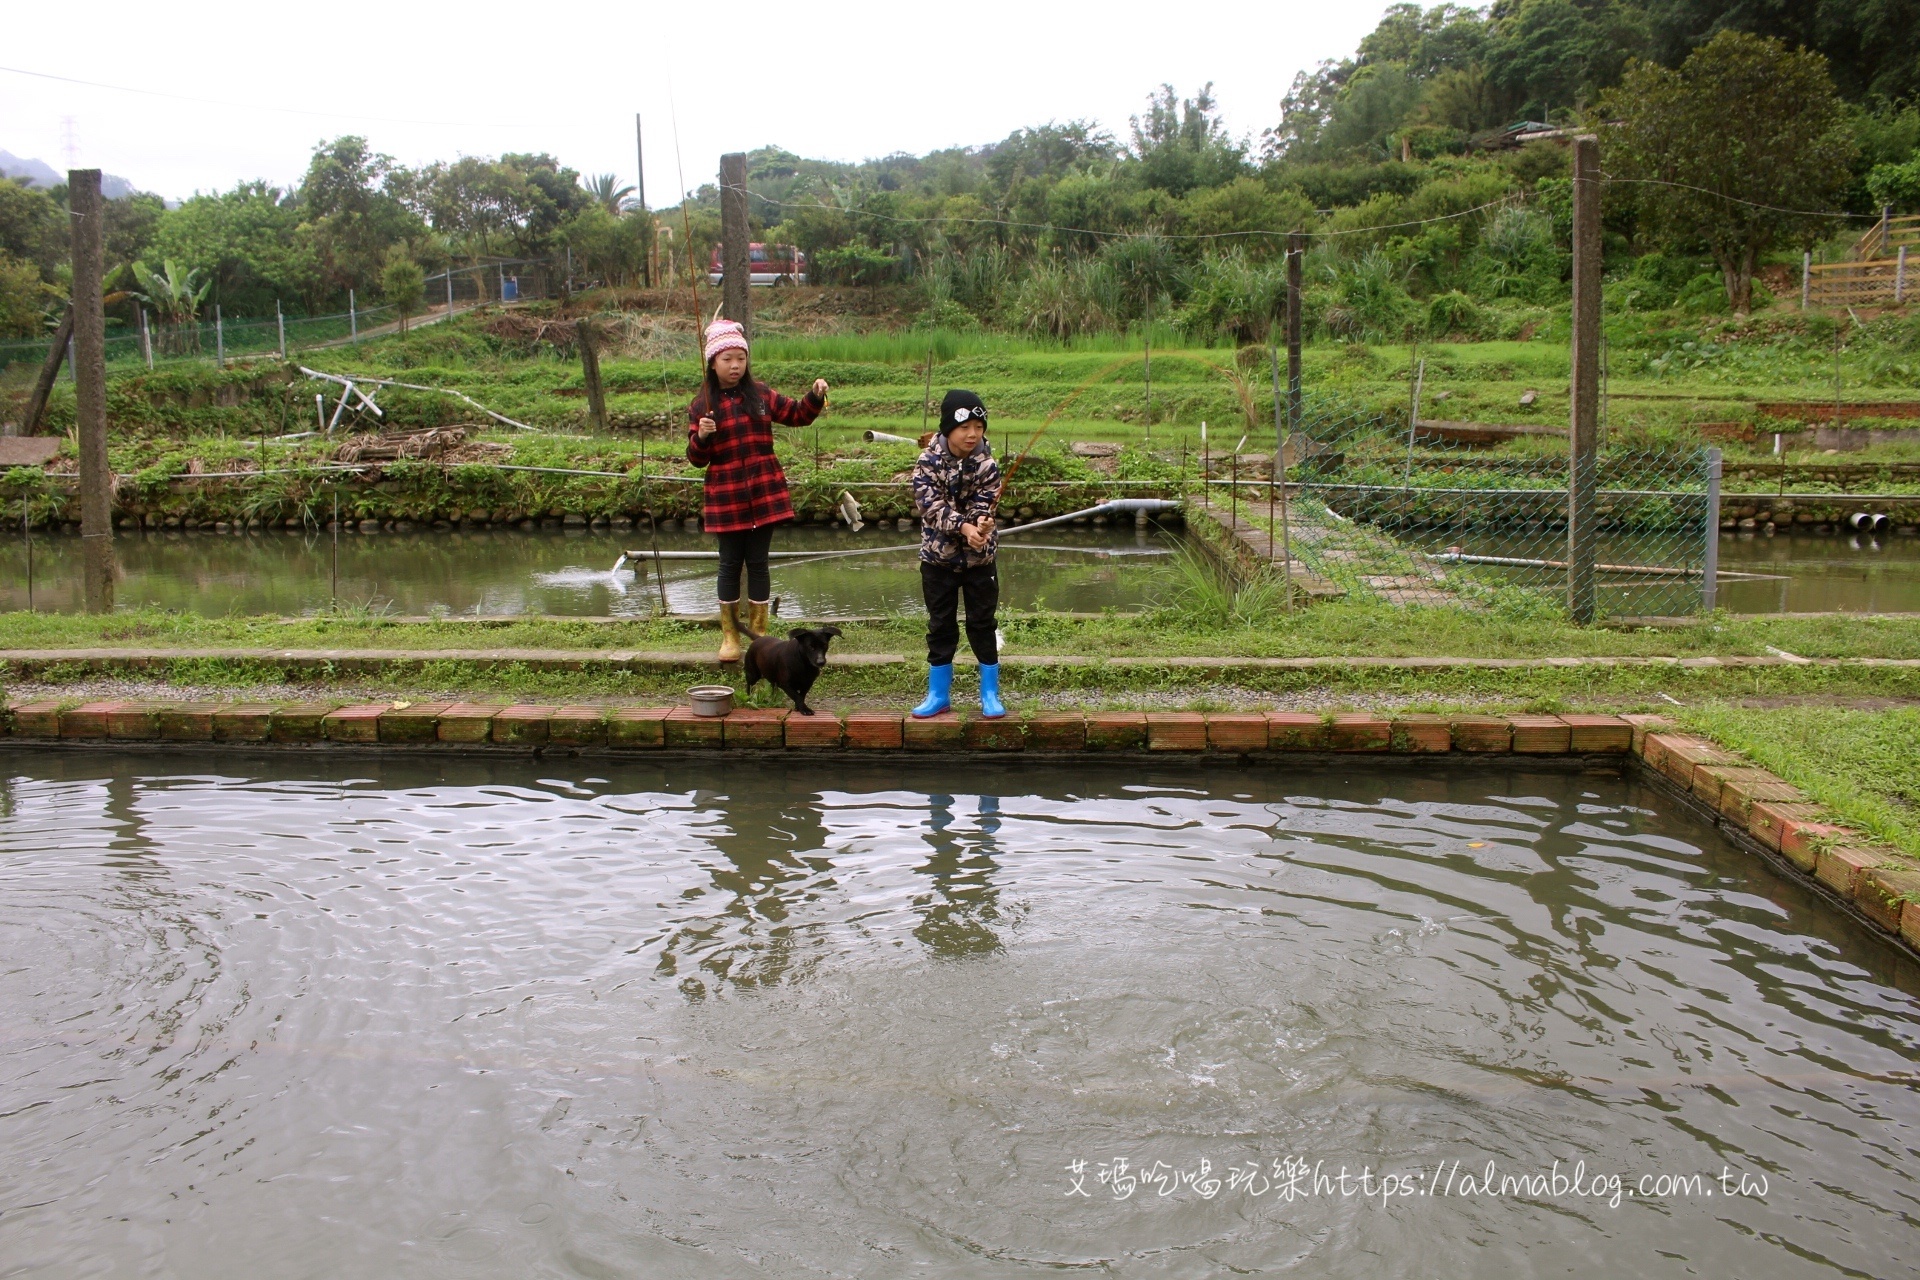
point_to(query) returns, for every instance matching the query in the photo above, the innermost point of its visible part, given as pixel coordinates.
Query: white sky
(843, 80)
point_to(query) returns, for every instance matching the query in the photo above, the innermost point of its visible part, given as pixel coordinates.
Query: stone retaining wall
(1757, 810)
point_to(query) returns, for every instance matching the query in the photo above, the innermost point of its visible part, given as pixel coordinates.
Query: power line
(1753, 204)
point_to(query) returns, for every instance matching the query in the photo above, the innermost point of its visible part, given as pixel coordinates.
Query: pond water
(493, 573)
(445, 1017)
(1795, 572)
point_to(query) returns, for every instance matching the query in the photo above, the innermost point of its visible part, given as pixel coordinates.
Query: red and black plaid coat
(745, 486)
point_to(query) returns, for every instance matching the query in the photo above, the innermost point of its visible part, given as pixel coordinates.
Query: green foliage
(1897, 185)
(247, 245)
(23, 298)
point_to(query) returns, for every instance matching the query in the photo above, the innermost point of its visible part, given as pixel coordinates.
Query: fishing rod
(1013, 468)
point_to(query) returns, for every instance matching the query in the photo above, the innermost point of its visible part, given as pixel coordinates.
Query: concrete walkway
(26, 662)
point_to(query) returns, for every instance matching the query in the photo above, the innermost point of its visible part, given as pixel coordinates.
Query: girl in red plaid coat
(730, 433)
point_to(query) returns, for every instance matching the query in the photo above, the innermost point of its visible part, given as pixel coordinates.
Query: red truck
(774, 264)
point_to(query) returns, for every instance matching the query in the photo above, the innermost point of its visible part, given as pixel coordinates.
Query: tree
(249, 244)
(355, 203)
(402, 283)
(1732, 151)
(1183, 144)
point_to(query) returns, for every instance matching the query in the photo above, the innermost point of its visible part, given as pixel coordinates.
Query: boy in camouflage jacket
(956, 487)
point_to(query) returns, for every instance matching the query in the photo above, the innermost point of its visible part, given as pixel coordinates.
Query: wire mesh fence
(146, 341)
(1444, 517)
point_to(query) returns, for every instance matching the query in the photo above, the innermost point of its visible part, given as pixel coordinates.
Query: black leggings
(748, 547)
(943, 588)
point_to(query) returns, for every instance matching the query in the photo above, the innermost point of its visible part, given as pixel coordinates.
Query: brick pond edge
(1759, 812)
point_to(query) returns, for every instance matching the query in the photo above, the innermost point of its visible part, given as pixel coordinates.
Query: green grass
(1340, 628)
(1864, 765)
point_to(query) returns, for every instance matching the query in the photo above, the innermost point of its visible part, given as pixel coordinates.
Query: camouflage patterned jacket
(949, 492)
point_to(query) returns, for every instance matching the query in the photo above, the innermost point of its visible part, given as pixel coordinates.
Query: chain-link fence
(1448, 514)
(148, 342)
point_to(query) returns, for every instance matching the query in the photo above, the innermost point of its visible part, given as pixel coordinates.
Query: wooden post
(49, 372)
(1296, 250)
(590, 368)
(1806, 277)
(735, 260)
(86, 213)
(1583, 440)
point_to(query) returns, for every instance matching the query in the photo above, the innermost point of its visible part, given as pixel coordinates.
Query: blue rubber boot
(991, 708)
(939, 693)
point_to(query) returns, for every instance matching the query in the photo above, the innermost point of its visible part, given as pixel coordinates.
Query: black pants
(748, 547)
(943, 586)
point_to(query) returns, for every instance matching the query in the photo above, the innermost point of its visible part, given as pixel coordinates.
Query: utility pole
(86, 212)
(640, 197)
(590, 370)
(735, 261)
(1584, 428)
(1296, 250)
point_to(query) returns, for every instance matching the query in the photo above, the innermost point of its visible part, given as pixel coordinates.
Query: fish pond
(336, 1015)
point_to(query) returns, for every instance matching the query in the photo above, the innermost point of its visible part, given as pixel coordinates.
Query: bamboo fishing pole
(1006, 480)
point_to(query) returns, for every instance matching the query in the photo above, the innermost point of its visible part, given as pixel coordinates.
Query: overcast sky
(837, 80)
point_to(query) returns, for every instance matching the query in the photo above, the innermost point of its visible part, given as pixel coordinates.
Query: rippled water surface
(323, 1017)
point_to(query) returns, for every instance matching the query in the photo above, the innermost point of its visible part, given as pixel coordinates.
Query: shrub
(1455, 314)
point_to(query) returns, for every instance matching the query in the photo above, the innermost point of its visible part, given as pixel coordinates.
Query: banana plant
(175, 296)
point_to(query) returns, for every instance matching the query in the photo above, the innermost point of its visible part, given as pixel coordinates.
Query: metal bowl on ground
(710, 699)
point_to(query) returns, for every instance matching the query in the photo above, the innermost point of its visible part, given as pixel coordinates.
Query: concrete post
(1806, 277)
(1583, 442)
(86, 212)
(1296, 251)
(734, 258)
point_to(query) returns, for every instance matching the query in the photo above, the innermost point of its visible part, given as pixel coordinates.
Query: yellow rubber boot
(729, 631)
(757, 616)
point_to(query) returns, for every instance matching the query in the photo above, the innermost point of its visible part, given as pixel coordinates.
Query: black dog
(792, 665)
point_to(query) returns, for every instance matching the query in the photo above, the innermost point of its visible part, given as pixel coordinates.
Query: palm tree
(175, 296)
(607, 192)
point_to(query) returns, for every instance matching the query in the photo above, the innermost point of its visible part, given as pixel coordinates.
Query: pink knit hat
(725, 335)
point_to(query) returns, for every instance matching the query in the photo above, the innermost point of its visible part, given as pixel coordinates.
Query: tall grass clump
(1201, 595)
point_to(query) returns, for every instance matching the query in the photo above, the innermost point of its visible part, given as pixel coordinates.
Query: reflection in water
(779, 1018)
(767, 868)
(1803, 572)
(958, 914)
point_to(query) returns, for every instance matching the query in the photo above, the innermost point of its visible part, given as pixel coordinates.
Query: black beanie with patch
(958, 407)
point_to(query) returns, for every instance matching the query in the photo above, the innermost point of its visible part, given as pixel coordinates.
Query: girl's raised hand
(707, 427)
(820, 387)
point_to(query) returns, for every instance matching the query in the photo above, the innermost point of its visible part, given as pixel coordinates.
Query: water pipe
(883, 437)
(1868, 522)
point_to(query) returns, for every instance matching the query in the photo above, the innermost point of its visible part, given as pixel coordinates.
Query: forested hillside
(1732, 133)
